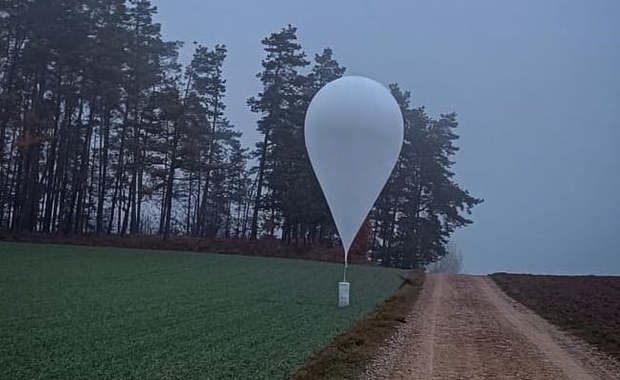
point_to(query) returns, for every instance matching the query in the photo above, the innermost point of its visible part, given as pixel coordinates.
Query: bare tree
(450, 263)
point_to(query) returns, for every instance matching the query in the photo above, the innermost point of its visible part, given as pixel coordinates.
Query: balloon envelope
(354, 134)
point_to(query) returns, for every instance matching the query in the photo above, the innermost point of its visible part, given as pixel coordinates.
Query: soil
(586, 306)
(465, 327)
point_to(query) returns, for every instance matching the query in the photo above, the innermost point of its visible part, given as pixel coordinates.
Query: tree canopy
(103, 131)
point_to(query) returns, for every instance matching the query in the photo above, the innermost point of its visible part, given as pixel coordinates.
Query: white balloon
(354, 134)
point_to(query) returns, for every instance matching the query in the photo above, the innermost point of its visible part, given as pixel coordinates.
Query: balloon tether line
(346, 265)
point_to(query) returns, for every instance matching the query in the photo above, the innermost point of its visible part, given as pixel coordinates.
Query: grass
(83, 313)
(349, 354)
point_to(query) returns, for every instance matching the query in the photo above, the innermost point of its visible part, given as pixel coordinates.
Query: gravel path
(464, 327)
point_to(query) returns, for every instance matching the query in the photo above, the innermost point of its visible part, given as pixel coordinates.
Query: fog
(535, 84)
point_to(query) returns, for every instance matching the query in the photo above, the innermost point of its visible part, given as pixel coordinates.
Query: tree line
(104, 132)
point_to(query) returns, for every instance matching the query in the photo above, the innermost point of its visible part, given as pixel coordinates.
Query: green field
(82, 312)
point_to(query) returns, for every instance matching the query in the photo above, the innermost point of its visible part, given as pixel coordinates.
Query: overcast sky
(536, 85)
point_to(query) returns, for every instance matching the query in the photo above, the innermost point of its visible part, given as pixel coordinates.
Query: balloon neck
(344, 275)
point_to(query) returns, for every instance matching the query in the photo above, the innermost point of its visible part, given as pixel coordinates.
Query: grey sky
(536, 85)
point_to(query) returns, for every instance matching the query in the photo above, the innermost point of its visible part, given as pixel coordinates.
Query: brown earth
(585, 306)
(464, 327)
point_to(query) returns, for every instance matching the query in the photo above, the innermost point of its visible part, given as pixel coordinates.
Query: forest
(104, 132)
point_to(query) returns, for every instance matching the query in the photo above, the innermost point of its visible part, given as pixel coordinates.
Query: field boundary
(265, 247)
(348, 355)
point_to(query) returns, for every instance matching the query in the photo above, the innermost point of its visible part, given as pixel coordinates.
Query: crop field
(84, 313)
(586, 306)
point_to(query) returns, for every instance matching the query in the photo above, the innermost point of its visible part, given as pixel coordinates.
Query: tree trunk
(103, 170)
(259, 188)
(170, 184)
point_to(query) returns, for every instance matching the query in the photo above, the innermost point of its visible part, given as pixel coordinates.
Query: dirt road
(464, 327)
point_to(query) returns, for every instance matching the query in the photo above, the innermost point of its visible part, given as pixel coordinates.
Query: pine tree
(305, 214)
(151, 60)
(210, 87)
(279, 106)
(421, 205)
